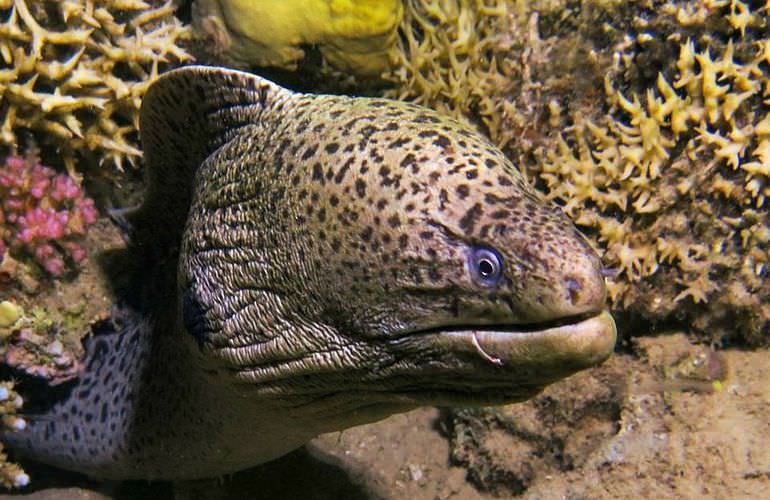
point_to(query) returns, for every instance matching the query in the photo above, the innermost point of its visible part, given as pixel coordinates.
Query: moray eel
(306, 263)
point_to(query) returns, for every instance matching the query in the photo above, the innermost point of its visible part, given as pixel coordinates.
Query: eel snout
(567, 328)
(574, 330)
(580, 287)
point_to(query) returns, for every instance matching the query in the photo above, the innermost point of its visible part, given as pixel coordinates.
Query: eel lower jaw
(507, 363)
(586, 340)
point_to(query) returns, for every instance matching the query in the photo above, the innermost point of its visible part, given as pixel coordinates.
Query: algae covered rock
(672, 419)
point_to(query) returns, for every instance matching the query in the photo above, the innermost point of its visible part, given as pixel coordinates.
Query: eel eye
(486, 266)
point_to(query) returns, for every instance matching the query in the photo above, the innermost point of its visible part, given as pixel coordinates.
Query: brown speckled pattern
(313, 236)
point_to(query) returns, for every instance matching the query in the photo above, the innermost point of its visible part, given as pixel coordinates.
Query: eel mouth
(495, 364)
(587, 338)
(450, 365)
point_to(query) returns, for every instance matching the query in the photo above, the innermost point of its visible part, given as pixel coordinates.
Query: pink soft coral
(43, 214)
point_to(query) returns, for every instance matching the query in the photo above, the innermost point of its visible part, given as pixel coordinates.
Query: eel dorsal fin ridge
(186, 115)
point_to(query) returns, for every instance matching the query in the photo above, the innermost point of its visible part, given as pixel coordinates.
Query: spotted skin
(309, 263)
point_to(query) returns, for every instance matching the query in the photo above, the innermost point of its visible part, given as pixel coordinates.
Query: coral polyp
(43, 215)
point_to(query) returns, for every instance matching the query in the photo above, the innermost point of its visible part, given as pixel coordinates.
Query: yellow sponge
(352, 35)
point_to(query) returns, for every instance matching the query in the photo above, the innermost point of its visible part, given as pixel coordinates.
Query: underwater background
(648, 122)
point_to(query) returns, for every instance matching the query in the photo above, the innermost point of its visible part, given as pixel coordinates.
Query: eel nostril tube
(573, 289)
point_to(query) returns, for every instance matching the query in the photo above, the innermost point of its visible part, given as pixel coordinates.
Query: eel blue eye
(486, 266)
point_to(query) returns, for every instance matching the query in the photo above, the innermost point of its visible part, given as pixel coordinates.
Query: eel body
(305, 263)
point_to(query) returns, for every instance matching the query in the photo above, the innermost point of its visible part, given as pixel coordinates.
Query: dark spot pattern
(360, 188)
(374, 203)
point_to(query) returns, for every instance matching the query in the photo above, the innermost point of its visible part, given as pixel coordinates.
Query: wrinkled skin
(330, 261)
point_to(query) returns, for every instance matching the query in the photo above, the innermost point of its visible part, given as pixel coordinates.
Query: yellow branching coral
(648, 122)
(683, 169)
(444, 57)
(74, 71)
(619, 164)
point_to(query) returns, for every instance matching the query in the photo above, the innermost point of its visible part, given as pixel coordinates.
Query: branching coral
(43, 215)
(648, 122)
(676, 182)
(73, 72)
(444, 57)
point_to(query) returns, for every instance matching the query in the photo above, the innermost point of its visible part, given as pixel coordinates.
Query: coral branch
(71, 66)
